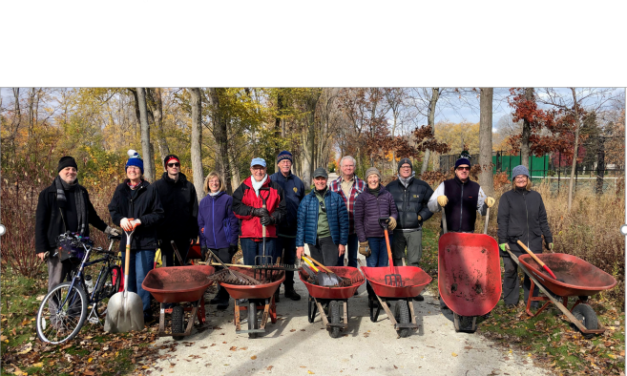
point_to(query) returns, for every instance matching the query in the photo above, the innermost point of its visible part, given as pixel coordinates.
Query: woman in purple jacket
(219, 228)
(374, 203)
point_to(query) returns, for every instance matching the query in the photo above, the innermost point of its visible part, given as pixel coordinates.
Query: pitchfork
(392, 279)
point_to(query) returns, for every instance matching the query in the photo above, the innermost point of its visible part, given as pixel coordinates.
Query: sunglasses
(174, 164)
(464, 168)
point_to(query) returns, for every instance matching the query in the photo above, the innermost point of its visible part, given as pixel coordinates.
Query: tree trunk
(197, 142)
(221, 135)
(149, 171)
(571, 184)
(525, 149)
(600, 165)
(435, 94)
(485, 141)
(154, 97)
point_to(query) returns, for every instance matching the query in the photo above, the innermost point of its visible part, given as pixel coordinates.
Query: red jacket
(245, 199)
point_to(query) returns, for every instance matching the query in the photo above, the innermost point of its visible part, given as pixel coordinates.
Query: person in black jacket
(135, 205)
(180, 205)
(521, 216)
(411, 196)
(64, 206)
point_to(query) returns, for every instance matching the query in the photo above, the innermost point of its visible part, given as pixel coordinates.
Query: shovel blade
(125, 313)
(325, 279)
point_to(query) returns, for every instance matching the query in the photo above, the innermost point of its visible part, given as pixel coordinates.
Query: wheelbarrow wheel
(375, 308)
(252, 318)
(178, 316)
(312, 309)
(334, 312)
(588, 318)
(401, 314)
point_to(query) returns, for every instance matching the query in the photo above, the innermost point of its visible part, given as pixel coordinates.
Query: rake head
(233, 277)
(394, 280)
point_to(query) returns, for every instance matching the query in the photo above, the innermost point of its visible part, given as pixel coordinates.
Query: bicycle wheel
(106, 288)
(59, 325)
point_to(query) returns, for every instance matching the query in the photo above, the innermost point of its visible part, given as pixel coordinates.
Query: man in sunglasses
(180, 204)
(462, 197)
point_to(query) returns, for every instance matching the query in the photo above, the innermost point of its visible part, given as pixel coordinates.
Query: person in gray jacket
(521, 216)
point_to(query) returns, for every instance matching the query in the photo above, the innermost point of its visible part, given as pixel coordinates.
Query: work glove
(112, 231)
(267, 220)
(261, 212)
(442, 200)
(203, 253)
(391, 224)
(419, 218)
(364, 249)
(548, 246)
(489, 201)
(504, 247)
(233, 249)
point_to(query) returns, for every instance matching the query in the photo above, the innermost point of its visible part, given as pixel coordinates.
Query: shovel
(322, 279)
(125, 311)
(537, 260)
(332, 277)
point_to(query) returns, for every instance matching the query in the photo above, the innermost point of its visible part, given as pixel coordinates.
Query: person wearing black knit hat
(63, 206)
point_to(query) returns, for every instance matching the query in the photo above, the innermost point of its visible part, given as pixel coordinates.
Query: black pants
(225, 256)
(286, 249)
(325, 251)
(511, 283)
(167, 252)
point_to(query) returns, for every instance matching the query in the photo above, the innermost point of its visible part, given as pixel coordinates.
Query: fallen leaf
(27, 348)
(454, 354)
(292, 330)
(38, 365)
(233, 348)
(303, 367)
(3, 338)
(88, 372)
(309, 372)
(89, 360)
(253, 357)
(395, 367)
(269, 368)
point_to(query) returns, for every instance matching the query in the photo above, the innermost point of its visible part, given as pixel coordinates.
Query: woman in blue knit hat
(521, 216)
(135, 205)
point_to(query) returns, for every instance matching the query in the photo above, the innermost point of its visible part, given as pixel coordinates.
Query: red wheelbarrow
(469, 275)
(332, 298)
(259, 297)
(575, 277)
(179, 284)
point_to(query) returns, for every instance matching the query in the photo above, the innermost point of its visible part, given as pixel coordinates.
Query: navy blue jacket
(221, 226)
(294, 191)
(337, 216)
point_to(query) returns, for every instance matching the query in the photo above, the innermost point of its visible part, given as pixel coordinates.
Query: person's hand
(125, 223)
(42, 256)
(342, 249)
(261, 212)
(548, 246)
(419, 218)
(203, 253)
(364, 249)
(202, 230)
(135, 223)
(504, 247)
(489, 201)
(112, 231)
(267, 220)
(300, 251)
(391, 224)
(442, 200)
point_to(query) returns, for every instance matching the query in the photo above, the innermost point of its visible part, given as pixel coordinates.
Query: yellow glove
(364, 249)
(489, 201)
(442, 200)
(392, 224)
(419, 218)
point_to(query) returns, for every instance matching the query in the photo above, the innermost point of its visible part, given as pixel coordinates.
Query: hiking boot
(222, 306)
(292, 294)
(215, 300)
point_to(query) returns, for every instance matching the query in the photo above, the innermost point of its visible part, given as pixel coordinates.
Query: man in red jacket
(247, 205)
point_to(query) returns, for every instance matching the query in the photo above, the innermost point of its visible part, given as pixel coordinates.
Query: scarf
(133, 186)
(374, 192)
(405, 182)
(257, 185)
(213, 194)
(81, 210)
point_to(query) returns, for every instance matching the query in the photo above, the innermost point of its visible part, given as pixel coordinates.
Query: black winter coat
(50, 221)
(146, 206)
(522, 216)
(411, 202)
(180, 206)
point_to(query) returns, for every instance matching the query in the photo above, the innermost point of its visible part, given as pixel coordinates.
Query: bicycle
(63, 310)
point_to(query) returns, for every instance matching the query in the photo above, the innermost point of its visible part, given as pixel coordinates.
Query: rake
(229, 276)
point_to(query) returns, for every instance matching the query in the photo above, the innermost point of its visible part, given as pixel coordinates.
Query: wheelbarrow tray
(414, 281)
(335, 293)
(578, 277)
(262, 291)
(176, 284)
(469, 273)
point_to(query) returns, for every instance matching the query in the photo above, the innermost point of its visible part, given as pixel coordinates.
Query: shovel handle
(444, 224)
(319, 264)
(543, 265)
(311, 265)
(487, 219)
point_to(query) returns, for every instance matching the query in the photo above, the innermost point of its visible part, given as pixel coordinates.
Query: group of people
(335, 219)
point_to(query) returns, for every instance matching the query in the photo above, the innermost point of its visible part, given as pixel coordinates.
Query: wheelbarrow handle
(543, 265)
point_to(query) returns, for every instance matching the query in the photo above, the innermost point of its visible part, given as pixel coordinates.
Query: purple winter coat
(215, 215)
(368, 209)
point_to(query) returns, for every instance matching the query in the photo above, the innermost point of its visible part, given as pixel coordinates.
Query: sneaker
(292, 294)
(419, 298)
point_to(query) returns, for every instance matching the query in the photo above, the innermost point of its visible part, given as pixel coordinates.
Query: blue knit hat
(462, 161)
(134, 160)
(520, 170)
(284, 155)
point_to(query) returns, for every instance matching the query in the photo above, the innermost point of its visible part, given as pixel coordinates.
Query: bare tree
(220, 134)
(485, 141)
(149, 171)
(155, 106)
(196, 105)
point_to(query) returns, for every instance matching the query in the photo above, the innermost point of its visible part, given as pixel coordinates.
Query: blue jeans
(251, 248)
(379, 252)
(351, 249)
(140, 263)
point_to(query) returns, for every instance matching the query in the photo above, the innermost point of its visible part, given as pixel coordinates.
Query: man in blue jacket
(294, 191)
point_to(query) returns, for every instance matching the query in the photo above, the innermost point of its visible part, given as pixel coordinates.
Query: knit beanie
(134, 160)
(170, 157)
(520, 170)
(462, 161)
(371, 171)
(284, 155)
(404, 161)
(66, 161)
